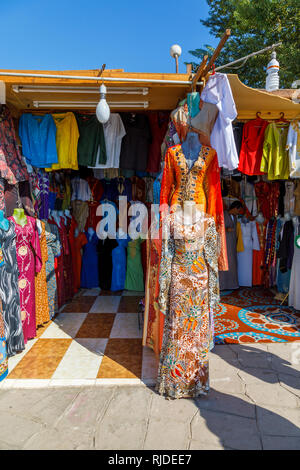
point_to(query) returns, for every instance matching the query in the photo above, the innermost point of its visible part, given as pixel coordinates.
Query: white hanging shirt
(293, 146)
(114, 131)
(218, 91)
(80, 190)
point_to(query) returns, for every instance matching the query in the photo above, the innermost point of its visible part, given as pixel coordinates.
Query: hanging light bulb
(102, 110)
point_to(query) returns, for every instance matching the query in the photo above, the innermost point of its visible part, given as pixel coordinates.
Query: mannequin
(39, 226)
(260, 218)
(4, 223)
(68, 213)
(190, 214)
(295, 220)
(62, 215)
(56, 217)
(191, 148)
(20, 217)
(287, 217)
(91, 232)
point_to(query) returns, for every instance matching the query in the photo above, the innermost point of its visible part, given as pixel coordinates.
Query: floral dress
(189, 295)
(29, 260)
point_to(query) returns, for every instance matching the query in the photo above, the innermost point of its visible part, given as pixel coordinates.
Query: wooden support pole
(199, 72)
(217, 51)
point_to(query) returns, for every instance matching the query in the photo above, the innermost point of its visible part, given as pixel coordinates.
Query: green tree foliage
(255, 24)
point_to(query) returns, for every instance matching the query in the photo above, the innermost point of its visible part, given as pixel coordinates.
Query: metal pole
(249, 55)
(176, 61)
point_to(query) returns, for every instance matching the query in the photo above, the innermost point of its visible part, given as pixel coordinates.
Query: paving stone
(239, 405)
(271, 394)
(124, 424)
(281, 443)
(235, 432)
(285, 366)
(290, 382)
(278, 421)
(21, 400)
(232, 385)
(85, 409)
(169, 425)
(253, 375)
(15, 429)
(195, 445)
(53, 439)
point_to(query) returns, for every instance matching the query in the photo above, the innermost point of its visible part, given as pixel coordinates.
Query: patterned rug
(253, 315)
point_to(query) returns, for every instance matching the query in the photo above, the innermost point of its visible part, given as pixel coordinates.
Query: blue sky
(84, 34)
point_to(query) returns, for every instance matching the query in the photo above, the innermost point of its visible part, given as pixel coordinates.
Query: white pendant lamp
(102, 110)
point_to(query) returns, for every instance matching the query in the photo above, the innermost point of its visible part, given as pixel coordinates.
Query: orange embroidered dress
(200, 183)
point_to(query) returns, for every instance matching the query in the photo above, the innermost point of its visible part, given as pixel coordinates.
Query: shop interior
(90, 308)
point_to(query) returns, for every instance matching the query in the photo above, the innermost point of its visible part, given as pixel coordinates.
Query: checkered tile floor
(96, 338)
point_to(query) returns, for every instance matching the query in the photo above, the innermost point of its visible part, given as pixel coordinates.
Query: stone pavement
(253, 404)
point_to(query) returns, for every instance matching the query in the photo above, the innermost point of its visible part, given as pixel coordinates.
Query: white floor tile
(126, 326)
(90, 345)
(78, 366)
(106, 304)
(72, 382)
(31, 383)
(133, 292)
(7, 383)
(14, 360)
(65, 325)
(95, 291)
(118, 382)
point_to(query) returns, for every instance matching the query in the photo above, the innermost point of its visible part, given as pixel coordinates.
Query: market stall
(59, 163)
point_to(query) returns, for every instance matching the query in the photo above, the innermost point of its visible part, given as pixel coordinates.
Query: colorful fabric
(253, 315)
(189, 296)
(12, 166)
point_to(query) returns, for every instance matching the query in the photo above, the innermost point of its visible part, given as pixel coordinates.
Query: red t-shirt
(252, 146)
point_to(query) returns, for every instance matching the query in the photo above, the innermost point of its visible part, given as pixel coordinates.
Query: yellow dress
(67, 135)
(275, 157)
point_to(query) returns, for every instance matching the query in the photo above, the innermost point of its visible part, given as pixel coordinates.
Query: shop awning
(128, 91)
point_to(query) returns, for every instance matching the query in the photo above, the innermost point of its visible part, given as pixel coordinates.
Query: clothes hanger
(282, 118)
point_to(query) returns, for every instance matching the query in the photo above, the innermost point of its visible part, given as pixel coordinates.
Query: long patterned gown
(54, 249)
(42, 314)
(9, 292)
(189, 295)
(29, 260)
